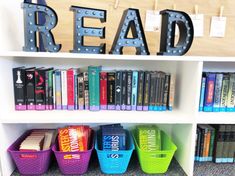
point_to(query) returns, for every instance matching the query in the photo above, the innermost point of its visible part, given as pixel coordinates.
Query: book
(50, 104)
(111, 90)
(86, 90)
(152, 91)
(30, 89)
(211, 143)
(202, 94)
(140, 91)
(76, 90)
(54, 92)
(94, 87)
(224, 93)
(58, 90)
(81, 95)
(134, 90)
(64, 91)
(103, 90)
(198, 143)
(166, 92)
(129, 90)
(161, 92)
(231, 93)
(225, 151)
(147, 83)
(231, 145)
(124, 90)
(201, 144)
(209, 94)
(171, 92)
(118, 90)
(70, 88)
(217, 96)
(218, 150)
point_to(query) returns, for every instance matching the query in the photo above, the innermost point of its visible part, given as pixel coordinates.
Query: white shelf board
(216, 118)
(176, 117)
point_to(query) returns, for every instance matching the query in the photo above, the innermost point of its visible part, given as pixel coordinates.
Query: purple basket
(29, 163)
(73, 166)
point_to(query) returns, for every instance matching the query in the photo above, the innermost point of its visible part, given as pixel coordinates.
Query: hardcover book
(129, 89)
(140, 91)
(209, 95)
(134, 90)
(111, 90)
(118, 89)
(103, 90)
(147, 83)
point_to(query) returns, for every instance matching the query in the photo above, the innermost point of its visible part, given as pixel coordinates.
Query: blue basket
(114, 162)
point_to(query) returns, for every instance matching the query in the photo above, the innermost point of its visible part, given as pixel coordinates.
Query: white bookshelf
(180, 124)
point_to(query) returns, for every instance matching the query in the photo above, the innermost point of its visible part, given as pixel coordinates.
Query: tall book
(111, 90)
(134, 90)
(202, 94)
(140, 91)
(70, 87)
(224, 93)
(231, 145)
(124, 90)
(152, 94)
(81, 94)
(76, 89)
(86, 90)
(161, 93)
(94, 87)
(103, 90)
(218, 150)
(209, 95)
(147, 83)
(58, 90)
(202, 139)
(118, 90)
(231, 93)
(49, 89)
(198, 143)
(157, 91)
(166, 92)
(171, 93)
(211, 145)
(30, 89)
(218, 88)
(64, 92)
(129, 90)
(54, 92)
(225, 151)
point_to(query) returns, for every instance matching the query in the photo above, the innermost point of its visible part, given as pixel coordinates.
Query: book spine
(58, 89)
(224, 93)
(47, 90)
(86, 90)
(165, 91)
(147, 82)
(103, 90)
(225, 152)
(231, 94)
(50, 90)
(152, 91)
(40, 89)
(202, 145)
(70, 89)
(54, 92)
(129, 89)
(209, 96)
(217, 96)
(124, 91)
(162, 87)
(81, 98)
(198, 144)
(111, 91)
(118, 90)
(205, 145)
(76, 99)
(134, 90)
(94, 87)
(157, 91)
(231, 145)
(202, 95)
(64, 89)
(140, 91)
(208, 138)
(171, 93)
(30, 89)
(211, 145)
(219, 144)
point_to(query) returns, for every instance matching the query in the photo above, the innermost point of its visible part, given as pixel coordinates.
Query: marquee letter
(31, 27)
(80, 31)
(169, 20)
(130, 20)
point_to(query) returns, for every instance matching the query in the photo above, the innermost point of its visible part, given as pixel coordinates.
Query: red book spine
(103, 90)
(70, 89)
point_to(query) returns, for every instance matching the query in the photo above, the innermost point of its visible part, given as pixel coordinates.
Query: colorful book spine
(103, 90)
(81, 98)
(76, 99)
(64, 92)
(202, 95)
(134, 90)
(94, 87)
(224, 93)
(209, 95)
(212, 139)
(198, 144)
(129, 89)
(50, 90)
(54, 92)
(140, 91)
(171, 93)
(118, 89)
(161, 93)
(124, 91)
(157, 91)
(86, 90)
(152, 91)
(70, 88)
(166, 92)
(231, 93)
(202, 145)
(147, 82)
(47, 90)
(30, 89)
(111, 90)
(217, 96)
(58, 89)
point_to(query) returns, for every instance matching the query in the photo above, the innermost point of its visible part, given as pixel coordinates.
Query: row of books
(217, 92)
(49, 88)
(215, 143)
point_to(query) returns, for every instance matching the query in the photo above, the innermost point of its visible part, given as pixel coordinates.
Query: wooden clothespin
(155, 5)
(196, 10)
(116, 4)
(221, 11)
(174, 6)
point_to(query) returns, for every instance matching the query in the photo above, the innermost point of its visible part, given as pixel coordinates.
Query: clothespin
(116, 4)
(196, 10)
(155, 6)
(221, 11)
(174, 6)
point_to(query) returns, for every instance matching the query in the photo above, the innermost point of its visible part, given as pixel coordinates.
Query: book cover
(202, 94)
(50, 90)
(111, 90)
(94, 87)
(140, 91)
(231, 93)
(81, 98)
(76, 89)
(171, 93)
(224, 93)
(152, 91)
(124, 90)
(211, 145)
(129, 89)
(30, 89)
(86, 90)
(47, 90)
(147, 82)
(64, 91)
(209, 95)
(134, 90)
(70, 87)
(166, 92)
(118, 90)
(103, 90)
(58, 90)
(218, 88)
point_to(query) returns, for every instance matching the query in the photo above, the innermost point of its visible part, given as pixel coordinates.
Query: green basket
(155, 162)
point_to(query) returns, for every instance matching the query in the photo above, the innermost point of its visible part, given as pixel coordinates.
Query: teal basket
(114, 162)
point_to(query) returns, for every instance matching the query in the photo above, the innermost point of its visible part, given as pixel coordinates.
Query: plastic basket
(29, 163)
(114, 162)
(155, 162)
(74, 166)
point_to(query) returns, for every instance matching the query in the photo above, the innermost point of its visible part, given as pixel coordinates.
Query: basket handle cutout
(158, 155)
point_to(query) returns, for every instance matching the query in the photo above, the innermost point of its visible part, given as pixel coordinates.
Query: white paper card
(218, 26)
(198, 24)
(153, 21)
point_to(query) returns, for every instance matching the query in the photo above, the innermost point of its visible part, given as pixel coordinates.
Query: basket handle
(155, 155)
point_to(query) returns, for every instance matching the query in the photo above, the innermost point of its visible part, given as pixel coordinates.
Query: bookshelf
(180, 124)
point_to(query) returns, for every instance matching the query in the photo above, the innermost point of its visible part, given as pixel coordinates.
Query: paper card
(218, 26)
(198, 24)
(153, 21)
